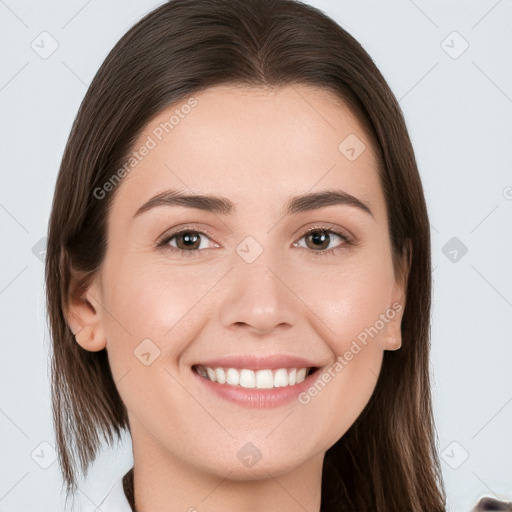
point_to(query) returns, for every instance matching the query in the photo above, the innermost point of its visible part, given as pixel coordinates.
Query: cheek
(151, 302)
(350, 299)
(151, 297)
(356, 307)
(351, 303)
(147, 327)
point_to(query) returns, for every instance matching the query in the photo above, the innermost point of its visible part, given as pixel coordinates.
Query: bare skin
(257, 148)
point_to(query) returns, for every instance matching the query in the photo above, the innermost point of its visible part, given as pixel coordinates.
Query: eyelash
(164, 243)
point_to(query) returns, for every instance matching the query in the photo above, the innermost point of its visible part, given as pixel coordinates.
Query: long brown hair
(388, 459)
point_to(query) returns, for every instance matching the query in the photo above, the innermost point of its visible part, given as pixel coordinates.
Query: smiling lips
(275, 371)
(261, 379)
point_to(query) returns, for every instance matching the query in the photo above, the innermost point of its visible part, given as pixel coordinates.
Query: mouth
(264, 378)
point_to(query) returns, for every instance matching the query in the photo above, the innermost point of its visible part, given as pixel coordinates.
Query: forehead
(256, 146)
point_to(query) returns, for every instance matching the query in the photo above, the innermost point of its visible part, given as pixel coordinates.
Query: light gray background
(458, 106)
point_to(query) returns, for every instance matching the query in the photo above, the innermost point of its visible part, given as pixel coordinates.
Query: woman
(238, 270)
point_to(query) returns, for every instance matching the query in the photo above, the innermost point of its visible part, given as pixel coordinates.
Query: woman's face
(246, 281)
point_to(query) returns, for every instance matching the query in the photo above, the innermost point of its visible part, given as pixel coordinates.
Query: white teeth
(281, 378)
(221, 375)
(247, 379)
(264, 379)
(261, 379)
(233, 377)
(301, 375)
(211, 374)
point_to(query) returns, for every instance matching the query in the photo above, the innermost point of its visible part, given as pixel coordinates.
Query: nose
(259, 298)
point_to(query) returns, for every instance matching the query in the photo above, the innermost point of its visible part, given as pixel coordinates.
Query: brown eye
(188, 240)
(319, 240)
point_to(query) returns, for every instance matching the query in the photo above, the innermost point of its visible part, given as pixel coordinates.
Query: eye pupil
(316, 237)
(189, 238)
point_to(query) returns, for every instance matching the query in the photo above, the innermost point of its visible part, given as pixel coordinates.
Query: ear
(84, 313)
(392, 338)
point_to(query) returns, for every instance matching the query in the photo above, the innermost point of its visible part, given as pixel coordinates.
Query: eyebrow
(223, 206)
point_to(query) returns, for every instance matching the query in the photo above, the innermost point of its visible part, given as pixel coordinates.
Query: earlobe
(89, 339)
(393, 332)
(393, 343)
(84, 317)
(392, 339)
